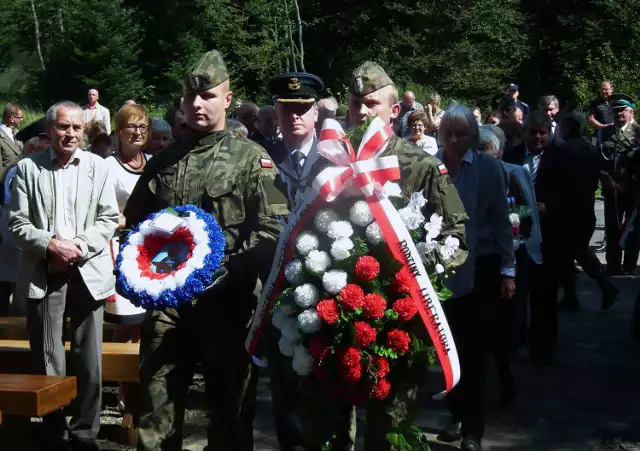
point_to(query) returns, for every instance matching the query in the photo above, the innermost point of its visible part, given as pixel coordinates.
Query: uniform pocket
(225, 203)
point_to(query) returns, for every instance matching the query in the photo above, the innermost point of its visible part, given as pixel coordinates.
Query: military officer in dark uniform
(296, 97)
(296, 111)
(617, 144)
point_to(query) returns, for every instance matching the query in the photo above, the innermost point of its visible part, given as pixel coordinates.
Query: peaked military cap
(621, 101)
(295, 87)
(207, 73)
(368, 78)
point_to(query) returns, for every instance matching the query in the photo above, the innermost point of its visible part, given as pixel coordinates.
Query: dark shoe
(569, 304)
(451, 433)
(470, 443)
(609, 294)
(601, 247)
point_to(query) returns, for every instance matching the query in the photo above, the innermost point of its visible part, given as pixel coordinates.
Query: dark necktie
(296, 161)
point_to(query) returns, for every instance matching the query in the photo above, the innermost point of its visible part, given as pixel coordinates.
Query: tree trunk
(292, 46)
(300, 45)
(36, 27)
(60, 20)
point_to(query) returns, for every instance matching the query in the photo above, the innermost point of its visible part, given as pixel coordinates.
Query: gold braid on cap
(295, 100)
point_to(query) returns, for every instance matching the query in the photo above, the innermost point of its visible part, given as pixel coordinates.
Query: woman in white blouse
(419, 123)
(133, 125)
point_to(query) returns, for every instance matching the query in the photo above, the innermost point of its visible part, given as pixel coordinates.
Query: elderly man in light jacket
(94, 112)
(63, 212)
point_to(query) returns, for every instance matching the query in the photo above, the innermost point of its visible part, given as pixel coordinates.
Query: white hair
(488, 137)
(462, 114)
(330, 103)
(497, 131)
(52, 112)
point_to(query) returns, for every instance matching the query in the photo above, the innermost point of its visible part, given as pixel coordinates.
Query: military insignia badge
(359, 84)
(266, 163)
(195, 82)
(294, 84)
(443, 169)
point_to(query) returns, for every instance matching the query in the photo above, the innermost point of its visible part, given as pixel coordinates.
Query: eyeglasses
(137, 127)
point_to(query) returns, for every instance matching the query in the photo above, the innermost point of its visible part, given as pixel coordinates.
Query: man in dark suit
(10, 147)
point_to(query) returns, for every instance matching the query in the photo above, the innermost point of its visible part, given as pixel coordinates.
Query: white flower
(340, 229)
(286, 346)
(279, 317)
(439, 268)
(514, 219)
(293, 273)
(307, 242)
(434, 226)
(309, 322)
(374, 234)
(324, 218)
(341, 249)
(417, 200)
(306, 295)
(317, 261)
(334, 281)
(449, 248)
(411, 217)
(391, 189)
(426, 247)
(291, 331)
(302, 361)
(360, 214)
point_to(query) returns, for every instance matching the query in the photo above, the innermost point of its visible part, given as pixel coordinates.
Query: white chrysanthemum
(434, 226)
(307, 242)
(412, 217)
(514, 219)
(340, 229)
(451, 245)
(279, 317)
(293, 273)
(302, 361)
(317, 261)
(286, 346)
(324, 218)
(309, 322)
(374, 234)
(391, 189)
(291, 331)
(417, 200)
(334, 281)
(306, 295)
(439, 268)
(341, 249)
(360, 214)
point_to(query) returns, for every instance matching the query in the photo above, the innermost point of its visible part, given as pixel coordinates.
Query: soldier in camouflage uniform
(233, 179)
(373, 93)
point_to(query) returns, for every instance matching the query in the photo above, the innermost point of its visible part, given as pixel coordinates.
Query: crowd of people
(75, 185)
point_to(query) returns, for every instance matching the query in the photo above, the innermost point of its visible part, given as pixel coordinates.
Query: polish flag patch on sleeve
(266, 163)
(442, 169)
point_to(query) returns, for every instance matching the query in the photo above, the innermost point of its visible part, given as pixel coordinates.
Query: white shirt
(532, 163)
(65, 187)
(125, 178)
(8, 131)
(304, 150)
(427, 143)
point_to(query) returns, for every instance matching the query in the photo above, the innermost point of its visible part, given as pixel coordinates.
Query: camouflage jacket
(423, 172)
(228, 176)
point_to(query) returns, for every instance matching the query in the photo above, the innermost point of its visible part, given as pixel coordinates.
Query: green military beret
(207, 73)
(368, 78)
(621, 101)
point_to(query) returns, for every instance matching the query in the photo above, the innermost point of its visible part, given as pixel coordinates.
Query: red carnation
(402, 281)
(351, 297)
(328, 311)
(367, 268)
(374, 306)
(365, 334)
(350, 356)
(382, 365)
(398, 340)
(351, 374)
(319, 347)
(381, 390)
(405, 308)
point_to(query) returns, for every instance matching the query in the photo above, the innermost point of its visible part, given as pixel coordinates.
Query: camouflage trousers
(173, 341)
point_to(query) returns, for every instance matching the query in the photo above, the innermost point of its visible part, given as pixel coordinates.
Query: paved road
(586, 401)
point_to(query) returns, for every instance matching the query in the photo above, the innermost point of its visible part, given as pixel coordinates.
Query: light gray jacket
(31, 222)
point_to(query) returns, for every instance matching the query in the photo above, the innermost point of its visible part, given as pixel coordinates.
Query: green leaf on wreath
(360, 247)
(416, 235)
(390, 314)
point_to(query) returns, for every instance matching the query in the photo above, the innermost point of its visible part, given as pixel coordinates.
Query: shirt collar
(75, 158)
(93, 107)
(624, 127)
(468, 156)
(305, 149)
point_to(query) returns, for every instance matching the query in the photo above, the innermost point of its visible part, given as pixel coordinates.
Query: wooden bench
(34, 396)
(15, 328)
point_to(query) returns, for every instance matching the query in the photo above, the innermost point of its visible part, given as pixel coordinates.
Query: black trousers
(476, 329)
(616, 204)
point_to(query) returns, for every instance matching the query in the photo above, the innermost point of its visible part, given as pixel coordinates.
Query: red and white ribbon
(367, 172)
